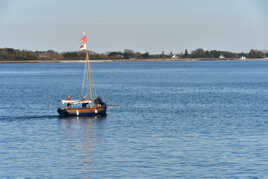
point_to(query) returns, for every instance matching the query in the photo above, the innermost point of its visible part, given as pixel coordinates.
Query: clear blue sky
(141, 25)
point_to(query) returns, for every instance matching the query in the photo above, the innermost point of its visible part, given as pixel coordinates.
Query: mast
(88, 72)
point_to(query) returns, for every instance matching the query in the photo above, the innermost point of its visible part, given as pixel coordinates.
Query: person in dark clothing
(84, 105)
(98, 101)
(69, 104)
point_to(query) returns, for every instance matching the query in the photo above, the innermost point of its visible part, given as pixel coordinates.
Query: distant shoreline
(127, 60)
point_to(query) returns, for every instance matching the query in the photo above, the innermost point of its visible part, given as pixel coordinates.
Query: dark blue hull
(82, 112)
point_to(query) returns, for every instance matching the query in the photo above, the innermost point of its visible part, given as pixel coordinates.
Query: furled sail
(75, 101)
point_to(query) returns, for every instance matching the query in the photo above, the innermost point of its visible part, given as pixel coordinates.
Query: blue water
(196, 119)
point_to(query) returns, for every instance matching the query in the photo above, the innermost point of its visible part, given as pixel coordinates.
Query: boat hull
(83, 112)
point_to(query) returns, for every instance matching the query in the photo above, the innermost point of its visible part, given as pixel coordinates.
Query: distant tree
(215, 54)
(198, 53)
(186, 53)
(128, 54)
(255, 54)
(207, 54)
(115, 55)
(228, 54)
(10, 50)
(145, 55)
(15, 54)
(138, 55)
(163, 55)
(74, 55)
(51, 51)
(242, 54)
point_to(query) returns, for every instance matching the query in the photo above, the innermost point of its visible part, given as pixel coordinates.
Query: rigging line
(84, 81)
(87, 80)
(86, 85)
(89, 77)
(94, 84)
(95, 90)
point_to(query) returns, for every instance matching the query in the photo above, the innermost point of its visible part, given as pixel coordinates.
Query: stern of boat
(62, 112)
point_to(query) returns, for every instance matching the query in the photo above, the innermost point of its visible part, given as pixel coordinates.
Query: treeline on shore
(16, 54)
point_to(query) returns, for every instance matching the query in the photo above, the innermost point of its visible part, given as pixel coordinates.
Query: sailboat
(89, 107)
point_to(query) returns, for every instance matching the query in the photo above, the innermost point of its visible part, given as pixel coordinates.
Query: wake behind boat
(89, 108)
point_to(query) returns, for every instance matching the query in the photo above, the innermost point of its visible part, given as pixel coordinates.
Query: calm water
(176, 119)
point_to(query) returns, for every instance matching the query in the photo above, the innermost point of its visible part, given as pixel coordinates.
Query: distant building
(43, 56)
(221, 57)
(243, 58)
(174, 56)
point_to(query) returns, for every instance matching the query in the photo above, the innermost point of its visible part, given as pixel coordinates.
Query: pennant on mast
(83, 42)
(83, 39)
(83, 47)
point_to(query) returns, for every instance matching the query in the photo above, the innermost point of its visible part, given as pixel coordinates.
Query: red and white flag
(83, 47)
(83, 42)
(83, 39)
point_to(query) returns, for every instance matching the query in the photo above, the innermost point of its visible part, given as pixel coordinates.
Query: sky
(141, 25)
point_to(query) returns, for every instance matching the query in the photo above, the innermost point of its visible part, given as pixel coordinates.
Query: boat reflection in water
(80, 134)
(70, 118)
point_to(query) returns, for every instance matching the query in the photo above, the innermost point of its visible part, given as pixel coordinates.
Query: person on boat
(69, 104)
(84, 105)
(98, 101)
